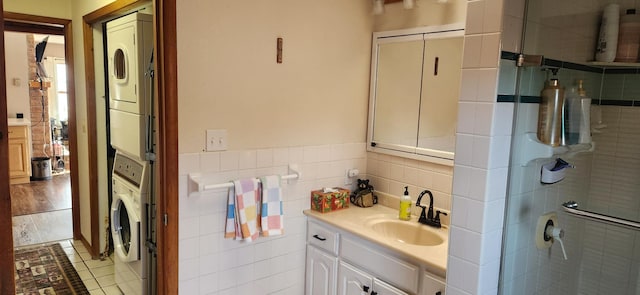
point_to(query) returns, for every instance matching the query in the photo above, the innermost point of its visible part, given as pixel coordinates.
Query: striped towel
(271, 213)
(242, 210)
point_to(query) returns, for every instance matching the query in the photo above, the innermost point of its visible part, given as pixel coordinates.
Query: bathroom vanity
(19, 151)
(369, 251)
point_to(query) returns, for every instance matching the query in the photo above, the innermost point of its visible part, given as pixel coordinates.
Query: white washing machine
(129, 50)
(128, 224)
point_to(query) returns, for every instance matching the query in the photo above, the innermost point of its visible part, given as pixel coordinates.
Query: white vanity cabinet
(354, 281)
(322, 260)
(320, 272)
(340, 262)
(432, 285)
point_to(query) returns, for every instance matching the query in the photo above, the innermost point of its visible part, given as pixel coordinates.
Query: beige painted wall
(80, 8)
(228, 77)
(50, 8)
(17, 67)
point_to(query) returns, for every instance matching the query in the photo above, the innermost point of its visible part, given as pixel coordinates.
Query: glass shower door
(602, 257)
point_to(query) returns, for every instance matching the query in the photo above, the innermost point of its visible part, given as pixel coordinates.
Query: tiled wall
(210, 264)
(390, 174)
(610, 261)
(482, 156)
(606, 256)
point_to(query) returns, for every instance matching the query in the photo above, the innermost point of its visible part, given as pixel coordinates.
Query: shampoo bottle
(550, 113)
(405, 205)
(608, 38)
(585, 115)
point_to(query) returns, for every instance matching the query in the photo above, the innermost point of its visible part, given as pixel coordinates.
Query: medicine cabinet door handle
(319, 238)
(435, 66)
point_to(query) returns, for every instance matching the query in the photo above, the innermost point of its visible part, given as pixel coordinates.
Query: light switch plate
(216, 140)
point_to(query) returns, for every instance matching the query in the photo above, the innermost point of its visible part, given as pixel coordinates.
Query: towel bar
(571, 207)
(196, 178)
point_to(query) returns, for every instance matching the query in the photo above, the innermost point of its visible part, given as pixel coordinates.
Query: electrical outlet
(216, 140)
(350, 174)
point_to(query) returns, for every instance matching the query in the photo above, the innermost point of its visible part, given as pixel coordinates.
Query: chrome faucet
(428, 218)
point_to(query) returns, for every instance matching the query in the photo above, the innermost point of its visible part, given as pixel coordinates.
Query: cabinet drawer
(322, 237)
(394, 271)
(17, 132)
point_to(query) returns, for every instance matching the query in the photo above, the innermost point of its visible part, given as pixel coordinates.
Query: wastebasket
(40, 168)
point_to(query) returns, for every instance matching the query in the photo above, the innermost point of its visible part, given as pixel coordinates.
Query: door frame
(167, 117)
(166, 101)
(26, 23)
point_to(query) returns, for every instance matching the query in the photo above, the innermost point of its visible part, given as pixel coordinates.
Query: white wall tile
(188, 163)
(229, 160)
(466, 117)
(490, 50)
(480, 151)
(462, 274)
(475, 17)
(472, 52)
(487, 84)
(190, 286)
(275, 259)
(467, 244)
(483, 118)
(247, 159)
(492, 16)
(469, 87)
(208, 284)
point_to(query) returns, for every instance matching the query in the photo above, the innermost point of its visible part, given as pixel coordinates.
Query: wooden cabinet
(19, 156)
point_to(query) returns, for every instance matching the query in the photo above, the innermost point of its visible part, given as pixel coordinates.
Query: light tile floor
(97, 275)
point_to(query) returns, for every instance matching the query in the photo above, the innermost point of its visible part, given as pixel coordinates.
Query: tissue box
(328, 202)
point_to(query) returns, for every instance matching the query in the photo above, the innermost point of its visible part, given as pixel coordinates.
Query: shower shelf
(534, 149)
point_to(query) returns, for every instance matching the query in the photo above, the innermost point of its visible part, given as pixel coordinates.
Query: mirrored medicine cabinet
(415, 81)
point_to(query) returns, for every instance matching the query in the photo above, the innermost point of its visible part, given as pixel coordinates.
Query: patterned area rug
(46, 270)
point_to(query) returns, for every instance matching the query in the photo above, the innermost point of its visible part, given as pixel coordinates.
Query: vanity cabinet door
(432, 285)
(382, 288)
(352, 281)
(321, 272)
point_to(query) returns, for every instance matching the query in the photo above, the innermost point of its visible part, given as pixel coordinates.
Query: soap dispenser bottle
(405, 205)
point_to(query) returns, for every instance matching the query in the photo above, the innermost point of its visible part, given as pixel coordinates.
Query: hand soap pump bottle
(405, 205)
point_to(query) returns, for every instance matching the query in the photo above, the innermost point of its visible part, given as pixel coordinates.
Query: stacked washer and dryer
(129, 49)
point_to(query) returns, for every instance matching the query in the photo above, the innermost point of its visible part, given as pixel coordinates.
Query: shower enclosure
(602, 257)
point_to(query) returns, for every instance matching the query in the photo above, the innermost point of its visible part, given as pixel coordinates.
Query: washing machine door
(125, 228)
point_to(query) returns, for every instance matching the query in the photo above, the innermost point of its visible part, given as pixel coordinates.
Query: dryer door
(125, 228)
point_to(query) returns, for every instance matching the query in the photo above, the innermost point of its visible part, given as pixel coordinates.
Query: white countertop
(353, 220)
(18, 122)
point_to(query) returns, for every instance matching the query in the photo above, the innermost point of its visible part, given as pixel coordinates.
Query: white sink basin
(407, 232)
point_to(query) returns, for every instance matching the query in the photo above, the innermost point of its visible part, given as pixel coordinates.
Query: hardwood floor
(41, 196)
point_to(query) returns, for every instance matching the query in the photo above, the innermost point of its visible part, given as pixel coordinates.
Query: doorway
(49, 198)
(41, 205)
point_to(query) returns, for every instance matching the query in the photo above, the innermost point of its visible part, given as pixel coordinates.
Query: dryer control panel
(129, 169)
